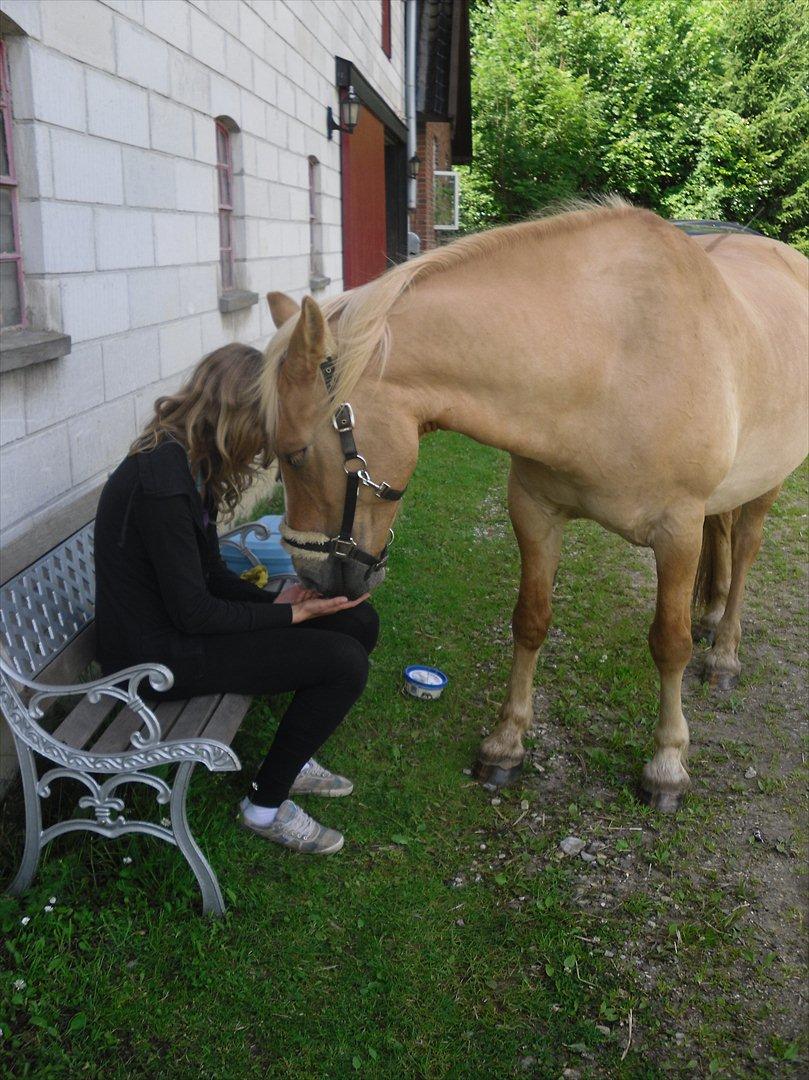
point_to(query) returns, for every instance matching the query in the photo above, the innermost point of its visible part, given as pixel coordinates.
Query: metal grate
(46, 606)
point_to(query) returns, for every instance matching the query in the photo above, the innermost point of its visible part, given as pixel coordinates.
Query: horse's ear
(307, 346)
(282, 307)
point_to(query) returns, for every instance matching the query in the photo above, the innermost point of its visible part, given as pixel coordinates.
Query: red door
(364, 222)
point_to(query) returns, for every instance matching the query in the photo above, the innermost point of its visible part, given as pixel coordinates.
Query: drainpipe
(410, 94)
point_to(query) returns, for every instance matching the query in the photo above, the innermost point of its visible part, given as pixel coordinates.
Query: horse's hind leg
(539, 535)
(676, 547)
(713, 576)
(722, 667)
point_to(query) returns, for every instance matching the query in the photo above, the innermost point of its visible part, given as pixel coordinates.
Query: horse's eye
(295, 459)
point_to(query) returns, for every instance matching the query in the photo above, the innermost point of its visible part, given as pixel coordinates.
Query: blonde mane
(362, 330)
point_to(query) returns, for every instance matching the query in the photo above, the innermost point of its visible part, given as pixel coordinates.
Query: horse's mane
(362, 329)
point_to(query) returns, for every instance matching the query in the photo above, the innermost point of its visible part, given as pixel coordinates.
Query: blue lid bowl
(423, 681)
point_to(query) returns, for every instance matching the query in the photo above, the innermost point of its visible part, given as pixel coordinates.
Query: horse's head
(323, 468)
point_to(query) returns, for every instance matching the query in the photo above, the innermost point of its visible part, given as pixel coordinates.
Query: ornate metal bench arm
(147, 749)
(237, 538)
(158, 675)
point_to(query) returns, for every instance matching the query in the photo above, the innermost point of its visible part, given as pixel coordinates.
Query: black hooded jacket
(160, 578)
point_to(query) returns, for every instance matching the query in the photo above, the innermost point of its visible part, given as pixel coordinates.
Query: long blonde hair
(217, 416)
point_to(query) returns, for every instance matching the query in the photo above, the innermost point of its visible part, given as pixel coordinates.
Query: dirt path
(721, 958)
(748, 761)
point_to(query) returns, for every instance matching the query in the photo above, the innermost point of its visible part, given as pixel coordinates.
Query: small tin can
(421, 681)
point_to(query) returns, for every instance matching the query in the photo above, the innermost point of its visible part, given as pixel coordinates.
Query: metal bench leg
(212, 902)
(33, 821)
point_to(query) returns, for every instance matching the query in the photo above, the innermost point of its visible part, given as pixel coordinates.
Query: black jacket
(160, 578)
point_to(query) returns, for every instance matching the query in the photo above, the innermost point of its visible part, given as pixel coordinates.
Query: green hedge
(695, 108)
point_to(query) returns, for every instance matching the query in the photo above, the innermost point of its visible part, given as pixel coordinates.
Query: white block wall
(114, 104)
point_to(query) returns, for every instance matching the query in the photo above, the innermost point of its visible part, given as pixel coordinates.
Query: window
(317, 279)
(446, 196)
(386, 46)
(224, 169)
(12, 301)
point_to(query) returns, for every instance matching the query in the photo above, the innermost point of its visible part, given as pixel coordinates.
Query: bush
(695, 108)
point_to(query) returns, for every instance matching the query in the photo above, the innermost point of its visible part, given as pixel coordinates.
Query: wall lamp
(349, 114)
(413, 166)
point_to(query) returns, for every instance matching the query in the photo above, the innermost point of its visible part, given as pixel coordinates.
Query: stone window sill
(22, 348)
(318, 281)
(236, 299)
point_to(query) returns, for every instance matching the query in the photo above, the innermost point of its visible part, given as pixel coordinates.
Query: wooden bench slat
(68, 666)
(227, 719)
(80, 725)
(118, 735)
(192, 720)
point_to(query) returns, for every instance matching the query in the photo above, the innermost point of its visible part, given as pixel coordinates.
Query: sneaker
(313, 779)
(293, 828)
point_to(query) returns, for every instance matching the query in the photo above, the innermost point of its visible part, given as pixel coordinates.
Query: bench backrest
(46, 606)
(47, 587)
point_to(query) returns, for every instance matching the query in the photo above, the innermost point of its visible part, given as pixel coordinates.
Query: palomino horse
(646, 379)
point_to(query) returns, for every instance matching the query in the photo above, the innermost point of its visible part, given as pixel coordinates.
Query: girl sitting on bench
(164, 594)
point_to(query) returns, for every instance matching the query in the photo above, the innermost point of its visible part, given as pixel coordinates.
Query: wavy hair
(218, 418)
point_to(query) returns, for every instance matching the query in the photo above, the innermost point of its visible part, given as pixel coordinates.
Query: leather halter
(344, 546)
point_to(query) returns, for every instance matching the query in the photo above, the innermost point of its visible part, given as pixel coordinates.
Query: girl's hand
(294, 593)
(319, 606)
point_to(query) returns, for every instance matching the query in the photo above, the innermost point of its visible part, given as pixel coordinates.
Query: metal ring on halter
(392, 537)
(349, 472)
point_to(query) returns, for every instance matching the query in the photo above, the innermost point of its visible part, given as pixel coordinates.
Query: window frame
(317, 277)
(10, 182)
(456, 200)
(386, 29)
(224, 174)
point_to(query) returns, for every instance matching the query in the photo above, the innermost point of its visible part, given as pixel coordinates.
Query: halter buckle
(342, 548)
(343, 418)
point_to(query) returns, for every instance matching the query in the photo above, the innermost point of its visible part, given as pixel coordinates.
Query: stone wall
(114, 105)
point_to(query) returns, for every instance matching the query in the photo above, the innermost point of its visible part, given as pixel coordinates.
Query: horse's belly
(756, 470)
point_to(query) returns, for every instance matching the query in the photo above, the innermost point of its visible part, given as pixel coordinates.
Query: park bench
(111, 737)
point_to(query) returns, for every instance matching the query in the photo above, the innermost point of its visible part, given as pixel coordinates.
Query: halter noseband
(344, 546)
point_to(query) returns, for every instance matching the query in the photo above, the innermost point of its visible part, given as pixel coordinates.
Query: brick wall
(114, 105)
(433, 146)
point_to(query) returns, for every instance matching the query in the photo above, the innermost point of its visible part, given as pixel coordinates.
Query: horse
(649, 380)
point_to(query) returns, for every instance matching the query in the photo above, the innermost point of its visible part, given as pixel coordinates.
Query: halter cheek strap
(344, 546)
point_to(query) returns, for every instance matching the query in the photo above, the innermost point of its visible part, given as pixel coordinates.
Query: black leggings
(325, 661)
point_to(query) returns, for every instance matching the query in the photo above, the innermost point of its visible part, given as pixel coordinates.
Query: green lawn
(450, 938)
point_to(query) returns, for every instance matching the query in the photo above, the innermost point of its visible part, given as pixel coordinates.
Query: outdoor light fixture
(349, 114)
(414, 164)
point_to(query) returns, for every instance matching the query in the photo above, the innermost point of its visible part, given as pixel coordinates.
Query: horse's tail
(713, 526)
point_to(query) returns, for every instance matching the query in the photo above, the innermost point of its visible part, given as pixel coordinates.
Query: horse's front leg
(676, 547)
(539, 535)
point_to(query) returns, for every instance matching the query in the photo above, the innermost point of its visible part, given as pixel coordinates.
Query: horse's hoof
(496, 776)
(721, 680)
(703, 635)
(666, 802)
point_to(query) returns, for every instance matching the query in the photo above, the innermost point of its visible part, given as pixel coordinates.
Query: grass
(451, 938)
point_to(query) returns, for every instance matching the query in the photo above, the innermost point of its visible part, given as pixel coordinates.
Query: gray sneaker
(293, 828)
(313, 779)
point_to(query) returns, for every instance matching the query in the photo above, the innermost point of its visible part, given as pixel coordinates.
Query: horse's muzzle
(334, 576)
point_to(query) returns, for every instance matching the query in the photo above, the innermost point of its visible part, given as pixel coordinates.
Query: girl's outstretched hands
(309, 604)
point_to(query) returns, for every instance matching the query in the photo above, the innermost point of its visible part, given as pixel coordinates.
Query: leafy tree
(696, 108)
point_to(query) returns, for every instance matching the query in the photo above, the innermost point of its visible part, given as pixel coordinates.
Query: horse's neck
(472, 378)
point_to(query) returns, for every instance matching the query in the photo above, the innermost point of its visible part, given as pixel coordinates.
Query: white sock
(259, 815)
